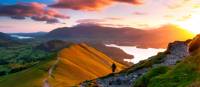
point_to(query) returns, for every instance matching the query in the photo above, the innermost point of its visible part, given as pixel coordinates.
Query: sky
(46, 15)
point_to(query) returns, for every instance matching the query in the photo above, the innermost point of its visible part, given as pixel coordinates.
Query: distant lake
(138, 53)
(21, 37)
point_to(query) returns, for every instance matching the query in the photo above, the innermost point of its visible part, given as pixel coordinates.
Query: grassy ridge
(79, 63)
(184, 74)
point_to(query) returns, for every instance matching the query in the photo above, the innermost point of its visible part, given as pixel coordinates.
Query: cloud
(3, 26)
(36, 11)
(185, 17)
(48, 19)
(114, 18)
(90, 21)
(89, 5)
(175, 4)
(139, 13)
(131, 1)
(101, 22)
(98, 21)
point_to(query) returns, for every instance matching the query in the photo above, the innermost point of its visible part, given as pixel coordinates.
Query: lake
(21, 37)
(138, 53)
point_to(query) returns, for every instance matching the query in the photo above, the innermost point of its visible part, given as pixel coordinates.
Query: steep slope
(194, 43)
(184, 74)
(141, 73)
(79, 63)
(122, 36)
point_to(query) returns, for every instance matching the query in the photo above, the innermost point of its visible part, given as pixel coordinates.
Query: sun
(192, 24)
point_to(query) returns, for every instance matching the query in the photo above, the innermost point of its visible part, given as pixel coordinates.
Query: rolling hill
(7, 40)
(121, 36)
(114, 53)
(4, 36)
(79, 63)
(72, 65)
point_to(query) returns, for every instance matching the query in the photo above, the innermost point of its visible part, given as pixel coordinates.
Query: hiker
(113, 67)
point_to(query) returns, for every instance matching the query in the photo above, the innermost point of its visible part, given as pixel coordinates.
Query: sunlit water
(21, 37)
(138, 53)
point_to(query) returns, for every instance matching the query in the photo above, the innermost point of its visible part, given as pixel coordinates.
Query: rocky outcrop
(176, 52)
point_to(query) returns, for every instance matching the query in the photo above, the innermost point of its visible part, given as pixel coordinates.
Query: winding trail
(50, 71)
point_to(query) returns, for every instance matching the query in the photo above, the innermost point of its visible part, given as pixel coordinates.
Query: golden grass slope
(80, 62)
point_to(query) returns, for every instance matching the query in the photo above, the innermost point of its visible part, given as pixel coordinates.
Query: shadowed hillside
(113, 52)
(194, 44)
(6, 40)
(80, 62)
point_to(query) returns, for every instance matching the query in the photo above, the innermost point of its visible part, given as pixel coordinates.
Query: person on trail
(113, 67)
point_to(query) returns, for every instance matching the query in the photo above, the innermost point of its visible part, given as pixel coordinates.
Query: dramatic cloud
(89, 5)
(131, 1)
(36, 11)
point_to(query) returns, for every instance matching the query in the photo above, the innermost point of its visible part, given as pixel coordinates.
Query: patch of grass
(31, 77)
(181, 76)
(184, 74)
(20, 57)
(144, 80)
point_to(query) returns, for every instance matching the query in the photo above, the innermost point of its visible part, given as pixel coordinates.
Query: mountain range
(122, 36)
(77, 56)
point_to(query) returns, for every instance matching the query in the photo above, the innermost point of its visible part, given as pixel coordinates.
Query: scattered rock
(176, 52)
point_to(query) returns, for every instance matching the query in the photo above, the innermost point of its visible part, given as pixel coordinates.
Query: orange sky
(143, 14)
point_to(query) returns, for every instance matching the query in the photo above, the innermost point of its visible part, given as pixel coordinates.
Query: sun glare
(192, 24)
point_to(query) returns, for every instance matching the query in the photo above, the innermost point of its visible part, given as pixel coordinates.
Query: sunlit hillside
(79, 63)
